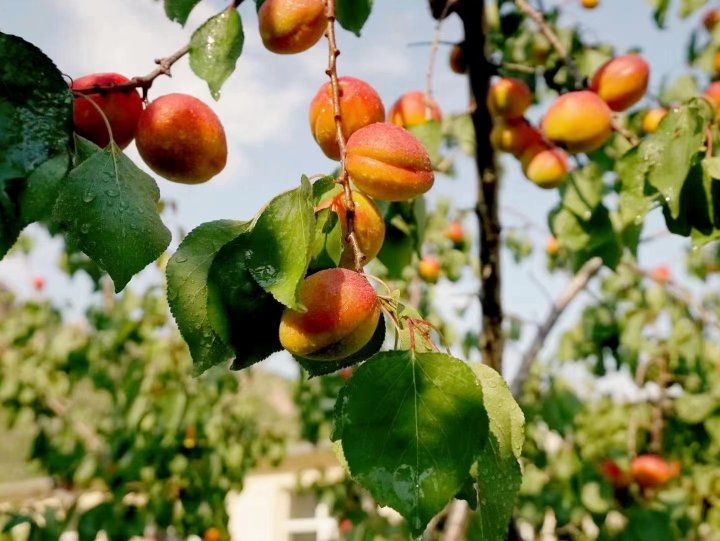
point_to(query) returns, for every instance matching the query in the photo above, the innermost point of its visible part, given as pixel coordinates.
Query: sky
(264, 105)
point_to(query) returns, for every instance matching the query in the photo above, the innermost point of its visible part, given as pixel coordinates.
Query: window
(310, 520)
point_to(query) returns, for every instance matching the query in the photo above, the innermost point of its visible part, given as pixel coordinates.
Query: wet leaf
(353, 14)
(179, 10)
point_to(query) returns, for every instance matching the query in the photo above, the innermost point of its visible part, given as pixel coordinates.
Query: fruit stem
(343, 178)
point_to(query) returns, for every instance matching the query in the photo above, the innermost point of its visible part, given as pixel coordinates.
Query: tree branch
(456, 521)
(577, 284)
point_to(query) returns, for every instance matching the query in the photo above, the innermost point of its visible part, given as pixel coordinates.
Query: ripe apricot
(121, 108)
(712, 94)
(429, 268)
(360, 105)
(513, 136)
(457, 60)
(589, 4)
(652, 119)
(455, 233)
(711, 19)
(181, 139)
(342, 313)
(618, 477)
(545, 165)
(650, 471)
(388, 162)
(622, 81)
(212, 534)
(291, 26)
(661, 274)
(552, 246)
(413, 109)
(509, 98)
(369, 227)
(578, 121)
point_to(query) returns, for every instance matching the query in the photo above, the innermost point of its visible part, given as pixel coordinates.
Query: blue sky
(264, 110)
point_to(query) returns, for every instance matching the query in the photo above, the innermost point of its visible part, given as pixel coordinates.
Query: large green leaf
(328, 242)
(240, 311)
(42, 189)
(411, 425)
(634, 203)
(215, 48)
(497, 473)
(281, 242)
(109, 207)
(35, 108)
(187, 287)
(352, 14)
(179, 10)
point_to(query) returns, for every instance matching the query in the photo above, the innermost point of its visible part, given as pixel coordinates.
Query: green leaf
(179, 10)
(328, 242)
(35, 108)
(688, 7)
(660, 11)
(712, 166)
(695, 408)
(497, 474)
(634, 203)
(243, 314)
(187, 290)
(109, 207)
(281, 243)
(42, 189)
(215, 48)
(411, 426)
(352, 14)
(431, 136)
(684, 88)
(459, 132)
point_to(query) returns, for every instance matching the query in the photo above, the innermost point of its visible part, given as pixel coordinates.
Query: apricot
(369, 227)
(578, 121)
(455, 233)
(545, 165)
(622, 81)
(618, 477)
(513, 136)
(457, 60)
(212, 534)
(121, 108)
(387, 162)
(711, 19)
(181, 139)
(712, 94)
(413, 109)
(652, 118)
(509, 98)
(291, 26)
(342, 313)
(552, 246)
(661, 274)
(589, 4)
(651, 471)
(360, 105)
(429, 268)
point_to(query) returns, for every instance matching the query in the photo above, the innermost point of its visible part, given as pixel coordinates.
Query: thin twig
(576, 285)
(627, 134)
(431, 59)
(343, 178)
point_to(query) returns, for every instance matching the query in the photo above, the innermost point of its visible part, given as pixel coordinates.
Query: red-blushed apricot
(578, 121)
(360, 105)
(622, 81)
(368, 225)
(513, 136)
(181, 139)
(545, 165)
(552, 246)
(589, 4)
(455, 233)
(457, 60)
(121, 108)
(509, 98)
(387, 162)
(661, 274)
(291, 26)
(711, 19)
(651, 471)
(652, 118)
(429, 268)
(712, 94)
(342, 313)
(38, 283)
(618, 477)
(413, 109)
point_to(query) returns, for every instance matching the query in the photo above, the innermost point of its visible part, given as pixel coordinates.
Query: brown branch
(343, 178)
(627, 134)
(432, 57)
(577, 284)
(456, 521)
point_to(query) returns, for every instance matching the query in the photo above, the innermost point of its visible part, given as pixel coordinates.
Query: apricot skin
(342, 314)
(360, 105)
(589, 4)
(544, 165)
(181, 139)
(578, 121)
(369, 227)
(387, 162)
(429, 268)
(711, 19)
(712, 94)
(650, 471)
(513, 136)
(291, 26)
(622, 81)
(652, 119)
(411, 109)
(122, 109)
(509, 98)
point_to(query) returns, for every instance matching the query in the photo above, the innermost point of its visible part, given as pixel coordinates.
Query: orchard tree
(415, 426)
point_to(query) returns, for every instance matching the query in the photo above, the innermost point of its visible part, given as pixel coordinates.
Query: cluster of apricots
(577, 122)
(178, 136)
(647, 471)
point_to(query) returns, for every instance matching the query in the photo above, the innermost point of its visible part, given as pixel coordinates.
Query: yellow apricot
(513, 136)
(387, 162)
(622, 81)
(712, 94)
(360, 105)
(368, 225)
(429, 268)
(291, 26)
(652, 119)
(509, 98)
(578, 121)
(545, 165)
(413, 109)
(589, 4)
(342, 313)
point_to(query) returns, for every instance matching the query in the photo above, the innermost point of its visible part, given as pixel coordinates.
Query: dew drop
(181, 259)
(88, 197)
